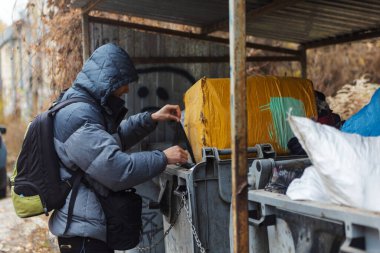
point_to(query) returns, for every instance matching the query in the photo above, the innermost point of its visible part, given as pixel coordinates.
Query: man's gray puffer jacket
(90, 138)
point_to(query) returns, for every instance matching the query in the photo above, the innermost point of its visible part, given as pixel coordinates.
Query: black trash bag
(281, 179)
(295, 147)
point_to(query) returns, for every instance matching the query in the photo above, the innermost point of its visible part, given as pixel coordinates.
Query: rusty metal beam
(188, 35)
(208, 59)
(85, 37)
(238, 106)
(360, 35)
(90, 5)
(303, 63)
(251, 15)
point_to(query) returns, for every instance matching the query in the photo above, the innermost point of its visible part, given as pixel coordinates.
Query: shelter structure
(307, 23)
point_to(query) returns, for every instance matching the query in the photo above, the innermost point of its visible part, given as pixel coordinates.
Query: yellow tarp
(207, 116)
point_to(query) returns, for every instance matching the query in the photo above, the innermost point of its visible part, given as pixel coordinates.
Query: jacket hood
(108, 68)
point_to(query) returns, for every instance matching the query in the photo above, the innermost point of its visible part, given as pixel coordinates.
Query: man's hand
(168, 112)
(175, 155)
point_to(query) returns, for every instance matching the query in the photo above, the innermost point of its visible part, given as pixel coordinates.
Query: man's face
(121, 90)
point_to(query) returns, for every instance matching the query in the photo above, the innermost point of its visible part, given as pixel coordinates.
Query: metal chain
(190, 220)
(142, 249)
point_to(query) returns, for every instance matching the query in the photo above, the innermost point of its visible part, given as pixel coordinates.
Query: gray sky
(6, 10)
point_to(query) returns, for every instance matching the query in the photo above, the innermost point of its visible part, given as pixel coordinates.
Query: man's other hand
(168, 112)
(175, 155)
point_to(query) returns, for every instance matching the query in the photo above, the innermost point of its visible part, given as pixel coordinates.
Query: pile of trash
(345, 163)
(352, 97)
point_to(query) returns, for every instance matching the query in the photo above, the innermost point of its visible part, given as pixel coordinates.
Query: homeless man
(92, 139)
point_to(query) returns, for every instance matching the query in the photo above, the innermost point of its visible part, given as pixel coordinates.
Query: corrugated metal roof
(309, 22)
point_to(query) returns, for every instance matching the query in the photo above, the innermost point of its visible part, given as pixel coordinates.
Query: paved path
(22, 235)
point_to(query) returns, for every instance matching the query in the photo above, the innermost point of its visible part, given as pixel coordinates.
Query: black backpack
(36, 183)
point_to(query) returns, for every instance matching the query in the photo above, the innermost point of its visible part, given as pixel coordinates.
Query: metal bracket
(209, 153)
(263, 221)
(265, 150)
(262, 218)
(353, 245)
(262, 170)
(180, 190)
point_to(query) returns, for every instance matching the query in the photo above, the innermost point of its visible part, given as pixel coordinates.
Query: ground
(24, 235)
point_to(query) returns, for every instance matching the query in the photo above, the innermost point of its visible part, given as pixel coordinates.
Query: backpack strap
(58, 106)
(75, 180)
(55, 108)
(76, 176)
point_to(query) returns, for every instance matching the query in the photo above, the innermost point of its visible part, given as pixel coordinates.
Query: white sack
(348, 164)
(308, 187)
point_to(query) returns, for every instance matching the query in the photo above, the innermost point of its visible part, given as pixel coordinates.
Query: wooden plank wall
(147, 44)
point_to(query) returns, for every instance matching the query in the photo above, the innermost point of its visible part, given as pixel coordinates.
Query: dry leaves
(352, 97)
(23, 235)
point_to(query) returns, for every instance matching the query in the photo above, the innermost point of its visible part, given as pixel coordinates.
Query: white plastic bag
(347, 164)
(308, 187)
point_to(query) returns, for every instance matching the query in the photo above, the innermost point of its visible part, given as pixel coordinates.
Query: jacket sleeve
(98, 154)
(135, 128)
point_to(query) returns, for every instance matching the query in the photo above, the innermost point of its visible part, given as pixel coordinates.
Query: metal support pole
(85, 37)
(238, 102)
(13, 81)
(303, 62)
